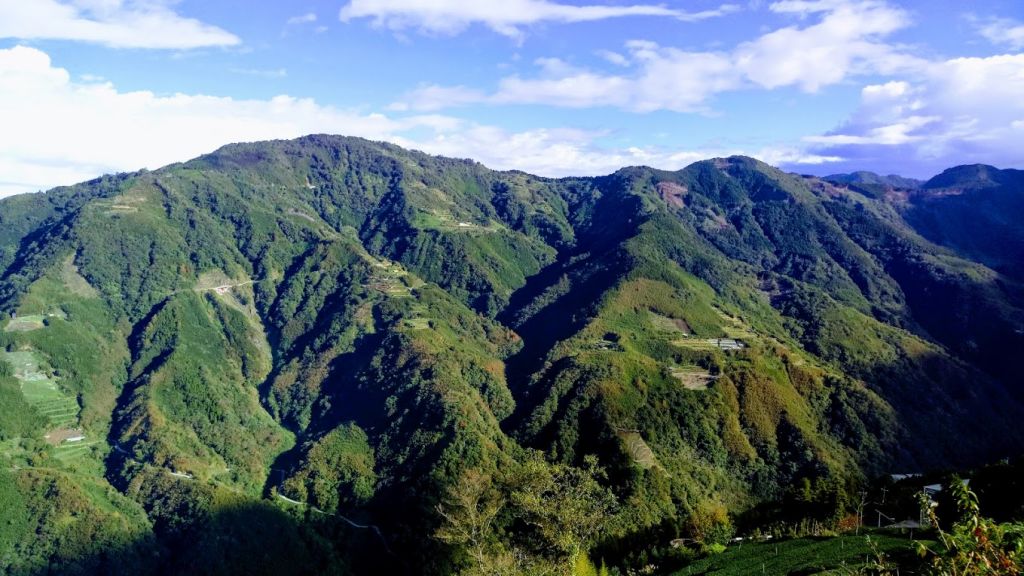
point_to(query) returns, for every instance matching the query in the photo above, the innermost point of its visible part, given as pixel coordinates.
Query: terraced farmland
(837, 555)
(727, 344)
(693, 377)
(68, 453)
(42, 391)
(392, 279)
(639, 450)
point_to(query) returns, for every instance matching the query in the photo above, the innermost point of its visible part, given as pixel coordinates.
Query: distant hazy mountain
(870, 178)
(873, 184)
(335, 355)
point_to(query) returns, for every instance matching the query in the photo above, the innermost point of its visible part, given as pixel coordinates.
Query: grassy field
(25, 323)
(670, 325)
(32, 322)
(418, 323)
(693, 377)
(803, 556)
(10, 447)
(443, 220)
(736, 329)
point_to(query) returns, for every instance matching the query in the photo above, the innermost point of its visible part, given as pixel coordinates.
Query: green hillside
(377, 361)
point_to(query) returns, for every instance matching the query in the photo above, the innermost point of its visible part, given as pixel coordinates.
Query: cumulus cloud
(60, 131)
(570, 152)
(956, 111)
(1001, 31)
(847, 39)
(113, 23)
(506, 17)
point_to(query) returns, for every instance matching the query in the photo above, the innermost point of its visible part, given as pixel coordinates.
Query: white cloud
(804, 7)
(307, 18)
(667, 78)
(613, 57)
(905, 131)
(1001, 31)
(301, 20)
(61, 131)
(58, 131)
(114, 23)
(261, 72)
(956, 111)
(791, 156)
(550, 152)
(846, 40)
(568, 152)
(434, 97)
(506, 17)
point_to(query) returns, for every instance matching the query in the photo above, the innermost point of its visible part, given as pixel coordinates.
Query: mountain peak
(972, 176)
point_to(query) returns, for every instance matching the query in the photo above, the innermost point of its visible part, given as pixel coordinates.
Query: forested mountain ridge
(972, 209)
(259, 340)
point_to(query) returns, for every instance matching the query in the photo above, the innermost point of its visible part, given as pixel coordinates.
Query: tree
(566, 505)
(861, 503)
(469, 510)
(709, 524)
(975, 545)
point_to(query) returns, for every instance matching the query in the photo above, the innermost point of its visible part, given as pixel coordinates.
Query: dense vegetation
(333, 355)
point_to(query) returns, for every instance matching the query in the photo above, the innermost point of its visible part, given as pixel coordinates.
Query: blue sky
(555, 87)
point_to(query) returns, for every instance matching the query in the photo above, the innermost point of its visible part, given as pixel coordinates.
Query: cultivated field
(41, 390)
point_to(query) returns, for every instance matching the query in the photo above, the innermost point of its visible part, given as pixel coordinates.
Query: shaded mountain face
(976, 211)
(295, 340)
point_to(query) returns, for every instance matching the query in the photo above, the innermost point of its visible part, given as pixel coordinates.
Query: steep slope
(339, 338)
(974, 210)
(634, 375)
(973, 310)
(970, 209)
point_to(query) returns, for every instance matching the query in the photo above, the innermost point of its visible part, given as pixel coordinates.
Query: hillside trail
(225, 288)
(376, 530)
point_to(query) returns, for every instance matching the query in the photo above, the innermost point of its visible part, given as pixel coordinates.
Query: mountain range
(333, 355)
